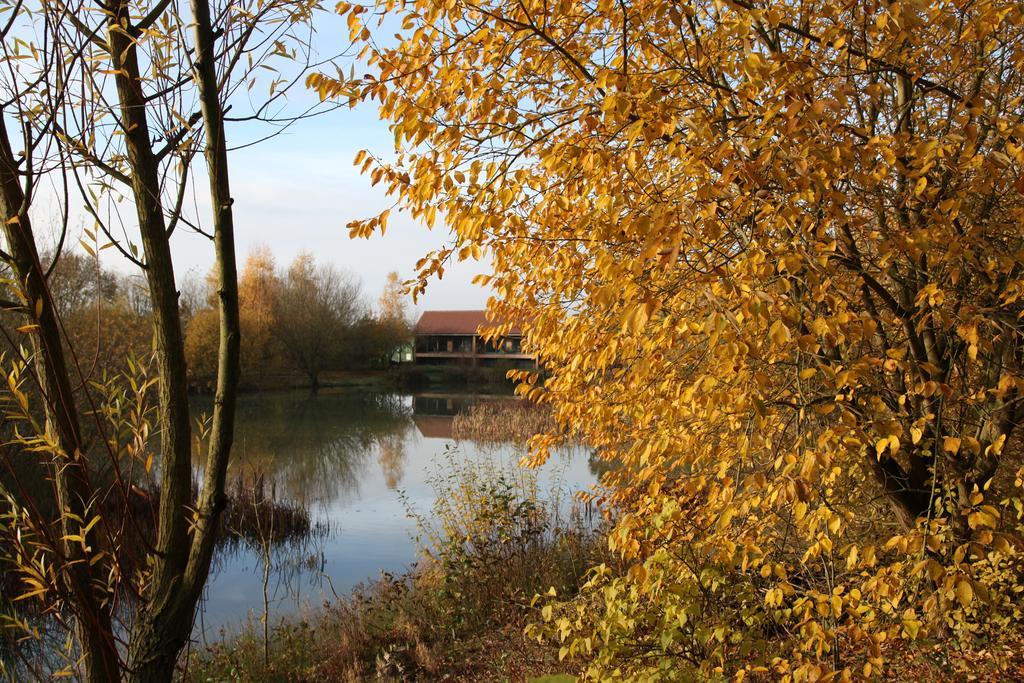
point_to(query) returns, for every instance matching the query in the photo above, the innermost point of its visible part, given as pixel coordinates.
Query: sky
(297, 191)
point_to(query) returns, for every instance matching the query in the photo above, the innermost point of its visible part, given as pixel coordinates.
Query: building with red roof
(453, 338)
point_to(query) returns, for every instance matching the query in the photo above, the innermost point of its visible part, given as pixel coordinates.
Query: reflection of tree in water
(289, 564)
(273, 536)
(391, 456)
(313, 448)
(598, 466)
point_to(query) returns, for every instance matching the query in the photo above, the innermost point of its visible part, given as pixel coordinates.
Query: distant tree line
(105, 315)
(309, 319)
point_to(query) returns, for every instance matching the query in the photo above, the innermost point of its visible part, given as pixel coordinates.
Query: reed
(255, 514)
(502, 422)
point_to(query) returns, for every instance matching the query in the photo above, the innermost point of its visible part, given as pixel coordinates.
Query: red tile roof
(454, 322)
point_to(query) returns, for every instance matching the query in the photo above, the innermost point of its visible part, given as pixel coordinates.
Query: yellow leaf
(996, 447)
(779, 333)
(851, 558)
(964, 592)
(636, 318)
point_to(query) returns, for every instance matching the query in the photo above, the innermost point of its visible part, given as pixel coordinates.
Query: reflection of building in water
(435, 413)
(440, 404)
(434, 426)
(451, 338)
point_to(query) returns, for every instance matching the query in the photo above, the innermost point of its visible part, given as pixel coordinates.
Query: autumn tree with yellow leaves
(770, 254)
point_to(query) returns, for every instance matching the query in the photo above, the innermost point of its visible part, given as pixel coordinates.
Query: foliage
(104, 313)
(485, 516)
(201, 337)
(78, 282)
(769, 253)
(410, 378)
(122, 418)
(393, 301)
(258, 287)
(316, 304)
(310, 319)
(370, 342)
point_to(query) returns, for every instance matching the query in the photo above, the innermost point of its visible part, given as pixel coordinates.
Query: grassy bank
(491, 543)
(400, 378)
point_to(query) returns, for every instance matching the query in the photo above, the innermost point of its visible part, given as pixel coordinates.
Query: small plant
(495, 538)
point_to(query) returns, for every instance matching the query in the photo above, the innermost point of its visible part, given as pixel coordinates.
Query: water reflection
(353, 461)
(313, 449)
(391, 448)
(435, 413)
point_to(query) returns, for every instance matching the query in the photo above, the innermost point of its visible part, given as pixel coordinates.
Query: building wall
(467, 349)
(444, 343)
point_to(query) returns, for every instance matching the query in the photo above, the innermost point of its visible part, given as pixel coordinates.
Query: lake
(358, 462)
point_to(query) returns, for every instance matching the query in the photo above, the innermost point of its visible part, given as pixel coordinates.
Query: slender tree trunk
(161, 629)
(68, 468)
(183, 564)
(229, 351)
(213, 500)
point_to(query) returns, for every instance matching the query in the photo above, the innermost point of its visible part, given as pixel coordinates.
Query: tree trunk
(166, 623)
(907, 495)
(163, 625)
(212, 500)
(68, 467)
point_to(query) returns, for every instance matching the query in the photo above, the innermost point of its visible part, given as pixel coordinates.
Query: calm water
(357, 461)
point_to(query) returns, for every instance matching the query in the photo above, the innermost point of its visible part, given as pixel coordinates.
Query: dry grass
(502, 422)
(255, 514)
